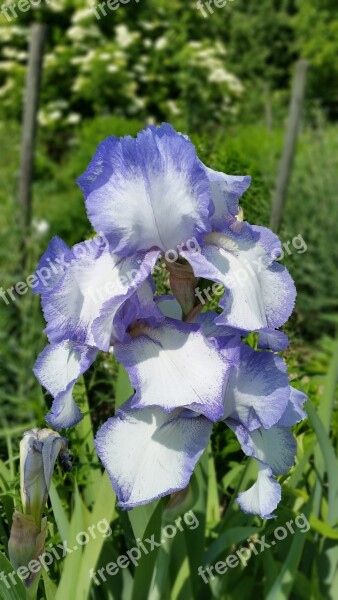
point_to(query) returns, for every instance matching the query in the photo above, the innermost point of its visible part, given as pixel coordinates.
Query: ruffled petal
(275, 450)
(175, 366)
(52, 266)
(58, 368)
(225, 191)
(263, 497)
(272, 338)
(259, 293)
(294, 412)
(148, 192)
(93, 277)
(275, 447)
(114, 321)
(149, 453)
(257, 392)
(267, 338)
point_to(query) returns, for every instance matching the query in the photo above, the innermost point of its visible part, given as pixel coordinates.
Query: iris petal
(58, 368)
(148, 192)
(259, 293)
(93, 276)
(149, 453)
(173, 366)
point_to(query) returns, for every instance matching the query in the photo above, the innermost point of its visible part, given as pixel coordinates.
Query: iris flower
(152, 197)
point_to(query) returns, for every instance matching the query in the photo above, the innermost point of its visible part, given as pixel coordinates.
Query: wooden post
(267, 106)
(32, 87)
(292, 130)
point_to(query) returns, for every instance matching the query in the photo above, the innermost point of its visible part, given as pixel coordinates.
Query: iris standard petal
(148, 192)
(259, 293)
(225, 191)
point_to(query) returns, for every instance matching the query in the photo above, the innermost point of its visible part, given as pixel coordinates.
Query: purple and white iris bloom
(150, 197)
(153, 193)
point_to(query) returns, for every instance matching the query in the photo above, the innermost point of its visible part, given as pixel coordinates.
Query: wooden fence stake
(32, 88)
(292, 130)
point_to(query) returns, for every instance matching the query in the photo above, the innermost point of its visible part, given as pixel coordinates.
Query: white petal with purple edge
(149, 453)
(52, 266)
(259, 293)
(148, 192)
(263, 497)
(258, 391)
(225, 191)
(294, 412)
(275, 450)
(114, 320)
(173, 366)
(58, 368)
(93, 276)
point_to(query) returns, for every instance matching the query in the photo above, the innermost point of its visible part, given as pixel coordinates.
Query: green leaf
(144, 570)
(140, 517)
(69, 580)
(86, 450)
(323, 528)
(123, 389)
(330, 460)
(59, 512)
(283, 584)
(9, 590)
(235, 535)
(213, 511)
(195, 538)
(103, 510)
(50, 587)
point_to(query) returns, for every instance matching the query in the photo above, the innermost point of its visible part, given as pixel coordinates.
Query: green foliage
(316, 38)
(161, 65)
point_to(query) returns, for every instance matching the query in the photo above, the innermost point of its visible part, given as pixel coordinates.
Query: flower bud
(26, 543)
(39, 449)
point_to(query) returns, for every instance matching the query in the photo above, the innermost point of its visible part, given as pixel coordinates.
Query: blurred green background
(222, 75)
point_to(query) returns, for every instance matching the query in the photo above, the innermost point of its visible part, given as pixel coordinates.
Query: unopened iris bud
(39, 449)
(26, 544)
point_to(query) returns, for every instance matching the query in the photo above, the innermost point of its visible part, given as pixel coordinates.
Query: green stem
(31, 592)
